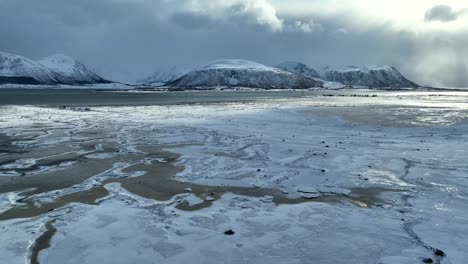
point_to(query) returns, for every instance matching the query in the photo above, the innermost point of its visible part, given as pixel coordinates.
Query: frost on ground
(412, 147)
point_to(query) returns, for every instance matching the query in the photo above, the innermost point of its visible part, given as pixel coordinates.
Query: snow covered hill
(299, 68)
(243, 73)
(373, 77)
(57, 69)
(73, 71)
(162, 76)
(20, 70)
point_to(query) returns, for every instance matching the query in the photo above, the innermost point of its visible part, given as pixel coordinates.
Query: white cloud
(264, 12)
(308, 26)
(260, 12)
(398, 14)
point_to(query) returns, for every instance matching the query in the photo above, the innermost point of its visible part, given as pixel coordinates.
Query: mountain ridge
(368, 76)
(53, 70)
(242, 73)
(299, 68)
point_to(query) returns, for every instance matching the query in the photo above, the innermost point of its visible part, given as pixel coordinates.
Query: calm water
(81, 97)
(87, 97)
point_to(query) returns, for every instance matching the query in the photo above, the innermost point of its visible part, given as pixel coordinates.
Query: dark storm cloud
(443, 13)
(191, 20)
(128, 39)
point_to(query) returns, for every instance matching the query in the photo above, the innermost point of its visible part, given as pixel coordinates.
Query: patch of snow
(238, 64)
(299, 68)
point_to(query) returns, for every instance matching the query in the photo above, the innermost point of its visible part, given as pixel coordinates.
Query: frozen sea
(92, 176)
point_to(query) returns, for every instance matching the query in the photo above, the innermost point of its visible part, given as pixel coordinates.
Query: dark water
(92, 97)
(82, 97)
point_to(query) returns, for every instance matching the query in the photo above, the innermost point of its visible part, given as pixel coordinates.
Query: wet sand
(29, 209)
(81, 169)
(159, 183)
(42, 242)
(160, 167)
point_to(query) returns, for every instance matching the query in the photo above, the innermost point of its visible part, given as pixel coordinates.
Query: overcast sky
(127, 39)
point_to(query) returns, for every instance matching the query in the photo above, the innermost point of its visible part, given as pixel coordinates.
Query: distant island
(230, 73)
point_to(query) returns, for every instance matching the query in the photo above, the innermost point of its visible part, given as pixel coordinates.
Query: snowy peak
(21, 70)
(243, 73)
(370, 76)
(59, 62)
(235, 64)
(56, 69)
(365, 69)
(72, 70)
(299, 68)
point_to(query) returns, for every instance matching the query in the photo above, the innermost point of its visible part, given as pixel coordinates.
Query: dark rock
(50, 210)
(439, 252)
(428, 260)
(229, 232)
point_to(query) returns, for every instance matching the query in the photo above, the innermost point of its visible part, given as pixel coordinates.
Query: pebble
(229, 232)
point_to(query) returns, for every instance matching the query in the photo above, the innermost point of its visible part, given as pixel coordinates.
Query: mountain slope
(57, 69)
(162, 76)
(299, 68)
(377, 77)
(21, 70)
(73, 71)
(243, 73)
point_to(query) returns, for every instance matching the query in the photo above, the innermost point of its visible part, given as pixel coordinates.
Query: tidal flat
(296, 176)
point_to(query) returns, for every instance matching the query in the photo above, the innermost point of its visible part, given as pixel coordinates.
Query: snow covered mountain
(20, 70)
(73, 71)
(299, 68)
(378, 77)
(162, 76)
(57, 69)
(243, 73)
